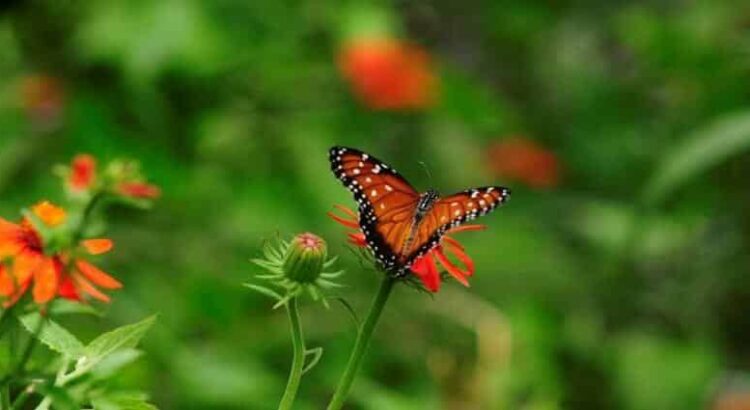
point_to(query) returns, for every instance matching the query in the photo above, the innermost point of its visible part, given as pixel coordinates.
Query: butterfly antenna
(426, 170)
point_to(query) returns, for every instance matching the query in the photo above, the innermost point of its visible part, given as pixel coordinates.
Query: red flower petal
(357, 239)
(97, 246)
(457, 273)
(67, 289)
(426, 270)
(82, 172)
(139, 190)
(97, 276)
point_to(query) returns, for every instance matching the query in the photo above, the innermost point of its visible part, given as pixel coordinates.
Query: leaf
(349, 309)
(703, 149)
(60, 398)
(122, 402)
(263, 290)
(316, 354)
(125, 337)
(67, 307)
(114, 362)
(52, 335)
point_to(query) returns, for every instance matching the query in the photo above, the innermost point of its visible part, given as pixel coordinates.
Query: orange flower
(387, 74)
(526, 161)
(56, 274)
(426, 267)
(139, 190)
(82, 173)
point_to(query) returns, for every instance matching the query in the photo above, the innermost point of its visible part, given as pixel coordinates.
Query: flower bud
(304, 259)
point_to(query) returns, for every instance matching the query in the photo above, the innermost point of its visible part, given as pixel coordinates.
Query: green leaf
(52, 335)
(125, 337)
(703, 149)
(60, 398)
(122, 402)
(316, 354)
(348, 307)
(114, 362)
(68, 307)
(261, 289)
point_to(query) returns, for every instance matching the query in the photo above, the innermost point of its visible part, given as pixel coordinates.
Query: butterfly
(401, 224)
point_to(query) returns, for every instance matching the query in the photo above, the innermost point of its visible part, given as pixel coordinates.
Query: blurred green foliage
(625, 287)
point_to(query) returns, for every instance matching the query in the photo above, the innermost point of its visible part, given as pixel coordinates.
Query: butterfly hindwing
(386, 201)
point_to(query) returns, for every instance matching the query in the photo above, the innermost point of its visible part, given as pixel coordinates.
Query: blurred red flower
(138, 190)
(526, 161)
(82, 173)
(64, 274)
(42, 98)
(388, 74)
(426, 267)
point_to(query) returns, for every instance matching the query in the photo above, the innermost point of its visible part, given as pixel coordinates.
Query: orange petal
(24, 266)
(45, 281)
(460, 254)
(342, 221)
(97, 246)
(450, 267)
(7, 284)
(50, 214)
(14, 298)
(426, 270)
(347, 211)
(452, 242)
(463, 228)
(97, 276)
(90, 289)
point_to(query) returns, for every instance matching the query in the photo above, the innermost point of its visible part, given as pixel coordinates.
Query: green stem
(298, 358)
(6, 397)
(360, 345)
(22, 398)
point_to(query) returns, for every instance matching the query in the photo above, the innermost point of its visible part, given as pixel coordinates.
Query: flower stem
(298, 359)
(360, 345)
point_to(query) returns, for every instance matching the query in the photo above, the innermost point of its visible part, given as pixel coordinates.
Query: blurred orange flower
(56, 274)
(526, 161)
(82, 173)
(426, 267)
(388, 74)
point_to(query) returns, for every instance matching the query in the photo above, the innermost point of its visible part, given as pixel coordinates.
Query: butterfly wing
(387, 202)
(452, 211)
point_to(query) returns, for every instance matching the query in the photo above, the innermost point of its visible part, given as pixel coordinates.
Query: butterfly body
(399, 223)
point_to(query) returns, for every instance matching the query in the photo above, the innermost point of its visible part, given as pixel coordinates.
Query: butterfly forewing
(387, 202)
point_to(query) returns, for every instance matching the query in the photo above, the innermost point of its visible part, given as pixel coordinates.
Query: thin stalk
(360, 345)
(298, 358)
(6, 397)
(22, 398)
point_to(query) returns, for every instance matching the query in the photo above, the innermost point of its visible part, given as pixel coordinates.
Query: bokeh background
(616, 277)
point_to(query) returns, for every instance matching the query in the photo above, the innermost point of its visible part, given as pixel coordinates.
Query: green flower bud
(305, 257)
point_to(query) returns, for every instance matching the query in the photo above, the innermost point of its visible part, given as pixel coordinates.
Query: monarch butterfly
(399, 223)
